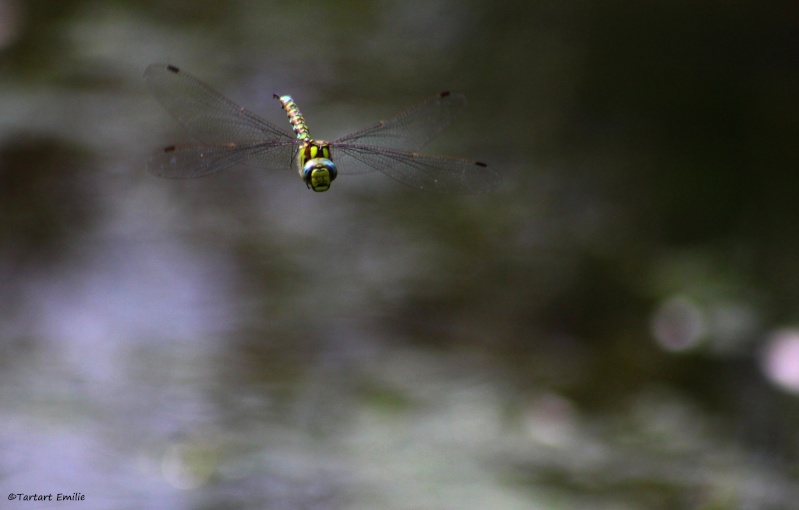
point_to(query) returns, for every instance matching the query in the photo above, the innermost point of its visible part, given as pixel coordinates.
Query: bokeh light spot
(780, 360)
(678, 324)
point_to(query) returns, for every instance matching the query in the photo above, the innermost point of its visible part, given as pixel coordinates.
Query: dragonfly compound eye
(318, 173)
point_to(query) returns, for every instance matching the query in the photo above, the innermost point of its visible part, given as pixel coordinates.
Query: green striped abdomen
(295, 117)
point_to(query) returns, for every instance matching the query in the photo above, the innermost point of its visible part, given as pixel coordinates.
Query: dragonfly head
(316, 168)
(318, 173)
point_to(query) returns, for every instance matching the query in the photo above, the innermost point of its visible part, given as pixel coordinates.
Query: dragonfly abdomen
(295, 117)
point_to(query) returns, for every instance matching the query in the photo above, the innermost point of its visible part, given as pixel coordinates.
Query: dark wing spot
(444, 94)
(173, 69)
(171, 148)
(480, 163)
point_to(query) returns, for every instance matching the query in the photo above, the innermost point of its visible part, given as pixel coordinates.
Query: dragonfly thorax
(317, 170)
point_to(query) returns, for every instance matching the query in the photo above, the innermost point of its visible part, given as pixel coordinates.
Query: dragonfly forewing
(412, 128)
(206, 114)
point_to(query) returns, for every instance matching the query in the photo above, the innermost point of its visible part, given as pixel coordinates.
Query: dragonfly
(228, 135)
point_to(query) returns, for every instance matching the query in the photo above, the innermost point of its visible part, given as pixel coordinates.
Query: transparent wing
(411, 129)
(196, 160)
(421, 171)
(206, 114)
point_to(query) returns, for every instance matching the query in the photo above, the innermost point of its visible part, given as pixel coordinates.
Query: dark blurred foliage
(49, 193)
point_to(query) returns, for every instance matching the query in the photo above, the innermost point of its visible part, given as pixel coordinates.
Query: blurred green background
(616, 328)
